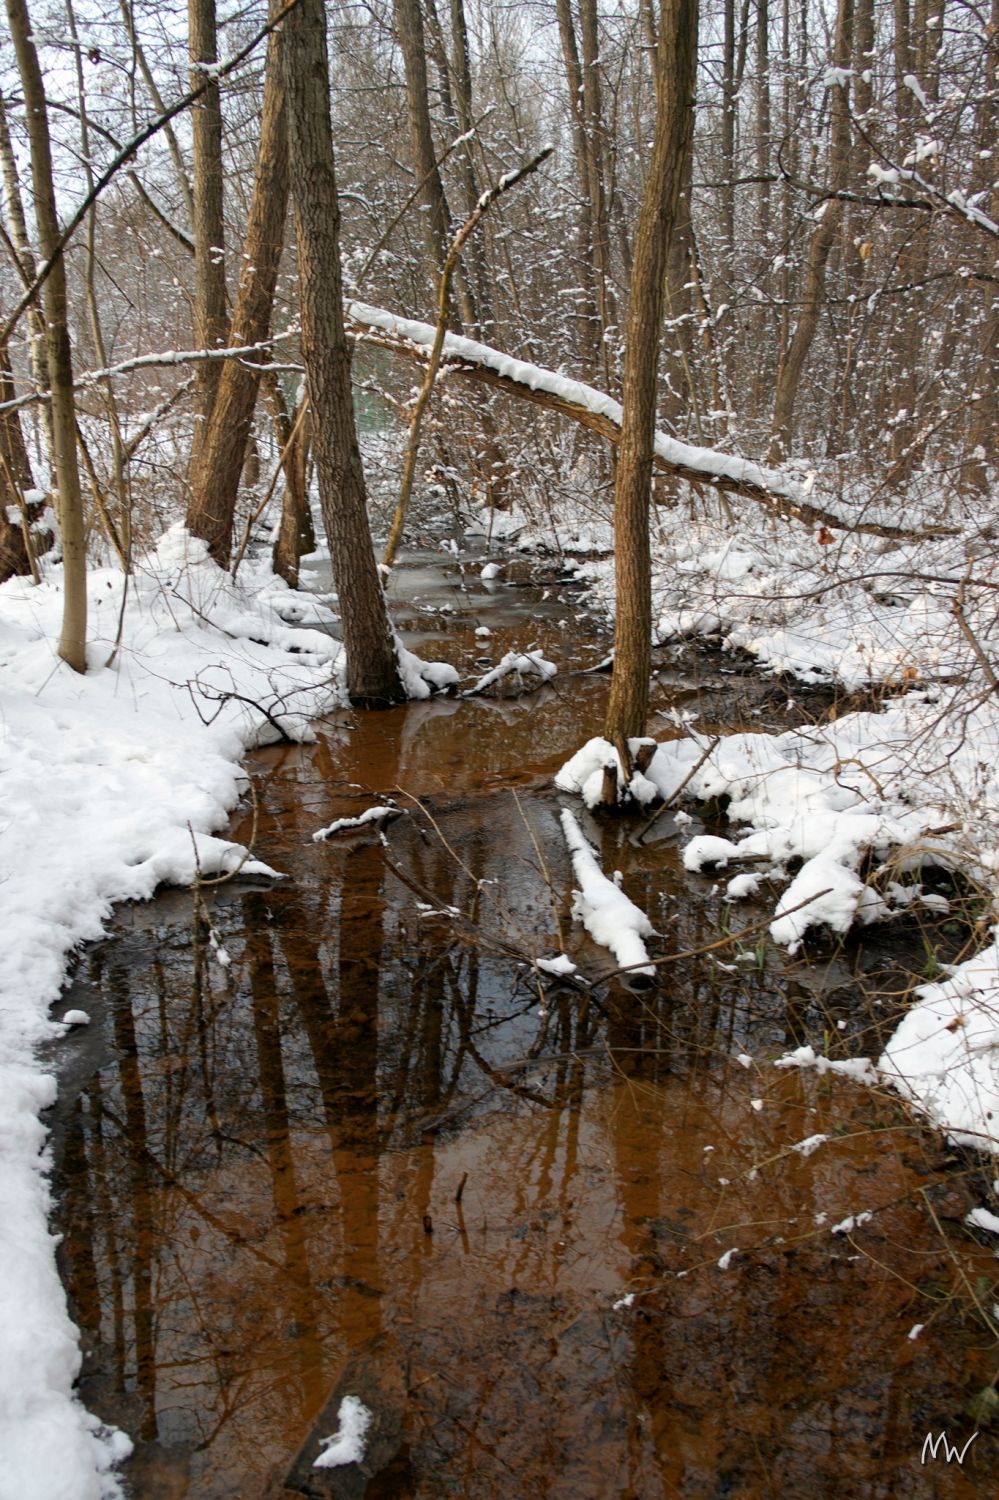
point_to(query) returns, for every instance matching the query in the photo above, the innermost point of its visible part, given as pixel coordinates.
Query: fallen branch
(773, 488)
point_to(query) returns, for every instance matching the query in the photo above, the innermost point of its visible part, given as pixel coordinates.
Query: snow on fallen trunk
(529, 667)
(104, 778)
(372, 817)
(603, 414)
(611, 919)
(944, 1057)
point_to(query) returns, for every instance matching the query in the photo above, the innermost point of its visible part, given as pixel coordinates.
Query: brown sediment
(250, 1163)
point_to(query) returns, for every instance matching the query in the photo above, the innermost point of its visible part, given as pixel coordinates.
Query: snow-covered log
(775, 488)
(609, 916)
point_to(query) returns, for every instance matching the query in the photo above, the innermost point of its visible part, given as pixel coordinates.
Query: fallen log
(775, 489)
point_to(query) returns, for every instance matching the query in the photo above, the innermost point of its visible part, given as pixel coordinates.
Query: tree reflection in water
(257, 1171)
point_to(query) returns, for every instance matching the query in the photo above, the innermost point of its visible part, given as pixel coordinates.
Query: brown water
(373, 1157)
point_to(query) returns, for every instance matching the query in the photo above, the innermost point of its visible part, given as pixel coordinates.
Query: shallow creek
(370, 1157)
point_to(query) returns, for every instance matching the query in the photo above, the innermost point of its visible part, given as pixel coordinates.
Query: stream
(372, 1156)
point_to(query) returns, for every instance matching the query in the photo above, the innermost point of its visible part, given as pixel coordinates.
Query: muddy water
(370, 1157)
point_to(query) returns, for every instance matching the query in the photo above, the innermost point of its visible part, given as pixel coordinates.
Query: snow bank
(944, 1057)
(108, 783)
(916, 785)
(611, 919)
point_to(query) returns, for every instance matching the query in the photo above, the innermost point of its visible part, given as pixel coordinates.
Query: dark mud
(373, 1157)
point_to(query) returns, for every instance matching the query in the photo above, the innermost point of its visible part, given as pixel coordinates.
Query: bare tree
(823, 238)
(208, 195)
(628, 706)
(218, 457)
(372, 664)
(73, 637)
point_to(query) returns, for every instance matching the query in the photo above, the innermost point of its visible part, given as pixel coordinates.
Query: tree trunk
(628, 707)
(588, 303)
(218, 458)
(25, 263)
(208, 225)
(15, 478)
(296, 536)
(372, 665)
(409, 30)
(823, 238)
(73, 638)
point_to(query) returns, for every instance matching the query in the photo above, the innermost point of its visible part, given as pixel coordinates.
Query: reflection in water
(374, 1158)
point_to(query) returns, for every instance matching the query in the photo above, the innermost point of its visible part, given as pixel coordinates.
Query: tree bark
(372, 665)
(208, 224)
(823, 238)
(73, 637)
(628, 707)
(218, 457)
(409, 31)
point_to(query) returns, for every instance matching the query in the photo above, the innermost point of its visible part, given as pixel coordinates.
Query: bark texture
(628, 707)
(208, 225)
(73, 637)
(372, 665)
(218, 459)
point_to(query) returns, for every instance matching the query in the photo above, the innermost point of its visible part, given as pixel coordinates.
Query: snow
(726, 1260)
(559, 966)
(520, 664)
(810, 1144)
(422, 678)
(981, 1218)
(611, 919)
(833, 797)
(112, 784)
(861, 1069)
(583, 774)
(944, 1057)
(371, 816)
(851, 1222)
(346, 1446)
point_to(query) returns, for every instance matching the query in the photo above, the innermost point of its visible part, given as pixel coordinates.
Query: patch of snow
(851, 1222)
(859, 1068)
(981, 1218)
(726, 1260)
(561, 965)
(809, 1144)
(522, 664)
(421, 678)
(346, 1446)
